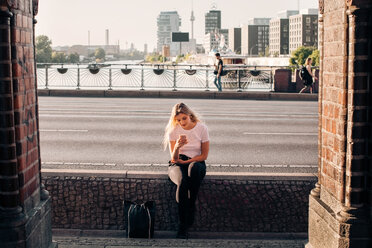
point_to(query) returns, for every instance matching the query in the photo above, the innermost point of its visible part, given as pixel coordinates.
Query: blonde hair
(179, 108)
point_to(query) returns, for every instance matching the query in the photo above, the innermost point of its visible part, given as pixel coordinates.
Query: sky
(67, 22)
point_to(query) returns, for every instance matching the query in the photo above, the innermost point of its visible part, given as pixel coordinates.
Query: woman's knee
(175, 175)
(196, 169)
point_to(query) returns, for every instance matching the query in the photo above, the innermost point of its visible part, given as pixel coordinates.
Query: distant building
(225, 34)
(212, 21)
(200, 48)
(168, 22)
(235, 40)
(88, 50)
(107, 37)
(285, 14)
(145, 48)
(165, 51)
(216, 41)
(255, 39)
(209, 42)
(188, 47)
(303, 29)
(259, 21)
(279, 32)
(279, 36)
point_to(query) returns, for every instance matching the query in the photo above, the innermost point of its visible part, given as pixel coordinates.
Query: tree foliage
(300, 55)
(43, 48)
(59, 57)
(100, 53)
(315, 57)
(154, 57)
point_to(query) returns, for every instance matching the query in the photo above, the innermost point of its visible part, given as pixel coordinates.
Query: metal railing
(152, 76)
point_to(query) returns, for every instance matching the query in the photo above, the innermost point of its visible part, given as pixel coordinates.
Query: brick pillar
(25, 213)
(340, 213)
(282, 79)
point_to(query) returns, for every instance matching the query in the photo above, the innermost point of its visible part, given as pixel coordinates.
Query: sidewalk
(107, 239)
(202, 94)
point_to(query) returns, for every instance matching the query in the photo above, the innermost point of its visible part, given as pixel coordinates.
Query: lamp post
(250, 51)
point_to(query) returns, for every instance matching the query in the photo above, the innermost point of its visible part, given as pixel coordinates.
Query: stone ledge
(127, 174)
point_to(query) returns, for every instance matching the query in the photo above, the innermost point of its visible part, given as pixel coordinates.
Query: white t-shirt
(195, 137)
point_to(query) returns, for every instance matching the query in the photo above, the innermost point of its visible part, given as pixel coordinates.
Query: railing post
(110, 79)
(174, 79)
(142, 78)
(46, 77)
(78, 77)
(207, 79)
(239, 81)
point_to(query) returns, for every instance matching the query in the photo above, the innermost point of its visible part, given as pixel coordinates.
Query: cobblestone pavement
(95, 242)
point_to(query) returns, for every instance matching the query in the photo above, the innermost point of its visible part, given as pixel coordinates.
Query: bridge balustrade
(152, 76)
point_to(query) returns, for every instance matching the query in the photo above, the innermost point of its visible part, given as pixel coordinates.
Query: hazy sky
(66, 22)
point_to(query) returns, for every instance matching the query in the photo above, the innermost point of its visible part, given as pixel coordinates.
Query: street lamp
(250, 51)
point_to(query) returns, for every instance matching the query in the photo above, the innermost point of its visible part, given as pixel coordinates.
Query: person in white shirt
(188, 141)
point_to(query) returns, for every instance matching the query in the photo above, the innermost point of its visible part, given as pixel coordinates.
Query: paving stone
(83, 242)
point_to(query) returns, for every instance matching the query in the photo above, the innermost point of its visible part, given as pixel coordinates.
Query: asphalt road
(244, 135)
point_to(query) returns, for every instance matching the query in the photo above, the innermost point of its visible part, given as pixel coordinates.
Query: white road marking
(274, 166)
(298, 134)
(64, 130)
(303, 166)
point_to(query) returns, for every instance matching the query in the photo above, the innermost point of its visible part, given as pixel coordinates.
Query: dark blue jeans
(218, 85)
(186, 205)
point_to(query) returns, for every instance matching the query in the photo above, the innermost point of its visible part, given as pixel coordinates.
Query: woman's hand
(180, 161)
(180, 142)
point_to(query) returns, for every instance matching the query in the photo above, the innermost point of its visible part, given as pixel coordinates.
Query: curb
(127, 174)
(251, 95)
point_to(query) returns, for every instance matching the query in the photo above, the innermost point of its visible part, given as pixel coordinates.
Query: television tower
(192, 19)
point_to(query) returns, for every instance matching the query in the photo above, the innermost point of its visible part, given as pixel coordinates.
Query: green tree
(73, 58)
(300, 55)
(154, 57)
(100, 53)
(315, 57)
(59, 57)
(43, 48)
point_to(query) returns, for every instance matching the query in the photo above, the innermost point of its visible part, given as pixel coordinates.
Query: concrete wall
(227, 202)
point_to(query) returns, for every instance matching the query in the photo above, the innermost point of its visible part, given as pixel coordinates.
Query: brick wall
(340, 213)
(334, 105)
(19, 103)
(24, 216)
(345, 105)
(225, 203)
(282, 80)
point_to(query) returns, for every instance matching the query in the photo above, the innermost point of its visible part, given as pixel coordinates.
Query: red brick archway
(340, 205)
(340, 212)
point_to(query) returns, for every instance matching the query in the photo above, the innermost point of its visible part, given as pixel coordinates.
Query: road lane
(127, 130)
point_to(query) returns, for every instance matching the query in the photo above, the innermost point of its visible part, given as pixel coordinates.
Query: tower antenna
(192, 19)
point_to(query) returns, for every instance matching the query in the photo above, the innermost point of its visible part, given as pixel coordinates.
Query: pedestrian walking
(218, 67)
(188, 141)
(308, 77)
